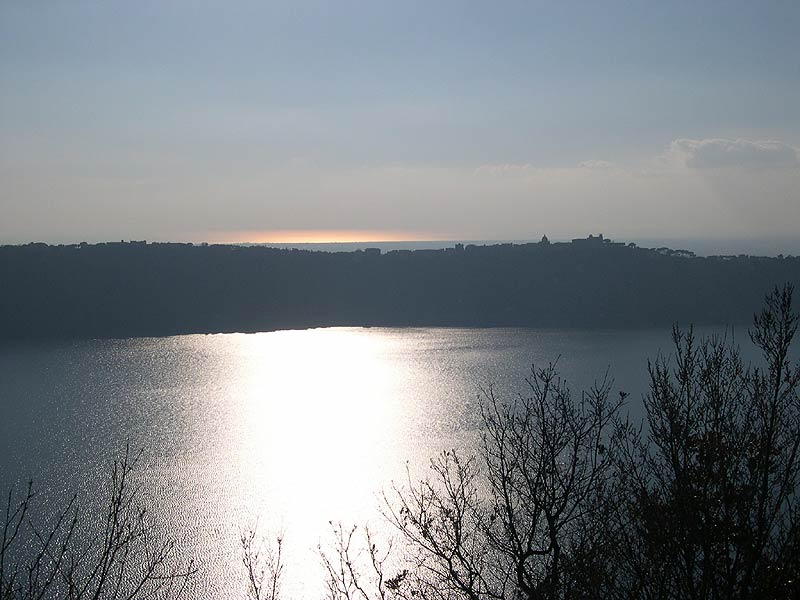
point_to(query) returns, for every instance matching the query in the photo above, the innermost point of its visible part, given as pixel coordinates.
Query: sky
(337, 121)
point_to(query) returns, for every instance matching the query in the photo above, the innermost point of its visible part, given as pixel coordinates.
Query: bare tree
(359, 571)
(515, 522)
(264, 566)
(711, 489)
(75, 557)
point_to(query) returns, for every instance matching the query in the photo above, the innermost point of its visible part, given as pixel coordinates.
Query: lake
(285, 431)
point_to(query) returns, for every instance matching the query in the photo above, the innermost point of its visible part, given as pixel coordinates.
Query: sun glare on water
(304, 423)
(301, 429)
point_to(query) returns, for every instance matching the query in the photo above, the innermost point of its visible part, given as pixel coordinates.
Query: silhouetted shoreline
(139, 289)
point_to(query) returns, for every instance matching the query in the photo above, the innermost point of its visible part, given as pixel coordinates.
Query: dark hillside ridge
(139, 289)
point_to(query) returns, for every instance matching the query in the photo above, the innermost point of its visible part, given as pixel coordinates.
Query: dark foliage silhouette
(711, 507)
(137, 289)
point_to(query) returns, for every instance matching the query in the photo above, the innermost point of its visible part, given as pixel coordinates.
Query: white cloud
(715, 153)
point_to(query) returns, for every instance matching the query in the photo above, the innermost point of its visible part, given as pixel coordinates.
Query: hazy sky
(192, 120)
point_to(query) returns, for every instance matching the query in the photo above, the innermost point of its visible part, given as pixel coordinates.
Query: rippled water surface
(286, 430)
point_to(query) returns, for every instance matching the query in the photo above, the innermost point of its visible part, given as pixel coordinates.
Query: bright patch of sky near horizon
(453, 120)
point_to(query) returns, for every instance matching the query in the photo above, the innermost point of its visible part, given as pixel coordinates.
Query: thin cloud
(506, 170)
(596, 164)
(715, 153)
(528, 170)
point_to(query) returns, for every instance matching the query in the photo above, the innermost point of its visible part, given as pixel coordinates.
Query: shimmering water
(286, 430)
